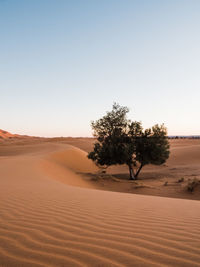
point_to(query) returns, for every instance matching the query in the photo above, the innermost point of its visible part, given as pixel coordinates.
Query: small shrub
(192, 184)
(166, 183)
(180, 180)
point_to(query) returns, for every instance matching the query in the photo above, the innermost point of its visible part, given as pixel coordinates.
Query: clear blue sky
(64, 63)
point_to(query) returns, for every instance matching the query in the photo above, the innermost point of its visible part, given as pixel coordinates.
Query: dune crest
(5, 134)
(74, 159)
(68, 166)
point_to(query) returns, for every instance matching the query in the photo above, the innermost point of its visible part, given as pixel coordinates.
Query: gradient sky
(64, 63)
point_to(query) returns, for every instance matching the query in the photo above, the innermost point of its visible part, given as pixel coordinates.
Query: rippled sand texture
(47, 223)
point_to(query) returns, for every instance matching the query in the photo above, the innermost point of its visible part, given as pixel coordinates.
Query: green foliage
(120, 141)
(152, 146)
(113, 145)
(114, 122)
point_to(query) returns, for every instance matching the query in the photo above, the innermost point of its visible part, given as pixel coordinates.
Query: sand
(52, 215)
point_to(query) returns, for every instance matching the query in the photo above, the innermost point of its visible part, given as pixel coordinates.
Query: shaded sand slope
(46, 223)
(75, 159)
(68, 165)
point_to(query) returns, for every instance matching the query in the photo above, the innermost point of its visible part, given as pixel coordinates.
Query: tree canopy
(121, 141)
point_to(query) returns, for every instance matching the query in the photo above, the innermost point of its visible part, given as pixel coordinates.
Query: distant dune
(52, 213)
(7, 135)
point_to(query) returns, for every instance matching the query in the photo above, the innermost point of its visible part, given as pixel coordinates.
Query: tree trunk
(132, 177)
(138, 171)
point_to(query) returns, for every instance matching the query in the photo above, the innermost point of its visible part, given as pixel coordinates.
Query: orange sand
(45, 222)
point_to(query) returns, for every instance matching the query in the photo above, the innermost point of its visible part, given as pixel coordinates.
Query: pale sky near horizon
(64, 63)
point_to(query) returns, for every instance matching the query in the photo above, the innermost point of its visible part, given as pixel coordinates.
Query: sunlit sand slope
(188, 154)
(46, 223)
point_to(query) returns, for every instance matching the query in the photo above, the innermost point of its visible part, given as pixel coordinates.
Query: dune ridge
(47, 223)
(5, 134)
(68, 165)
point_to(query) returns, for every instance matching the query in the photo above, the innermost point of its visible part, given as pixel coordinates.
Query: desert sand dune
(66, 165)
(48, 223)
(75, 159)
(189, 154)
(5, 134)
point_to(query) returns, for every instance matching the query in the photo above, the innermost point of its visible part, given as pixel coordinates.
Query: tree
(152, 147)
(120, 141)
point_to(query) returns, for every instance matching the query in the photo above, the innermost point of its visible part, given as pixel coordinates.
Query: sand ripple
(46, 223)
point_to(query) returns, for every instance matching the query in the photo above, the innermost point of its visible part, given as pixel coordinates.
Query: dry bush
(180, 180)
(192, 184)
